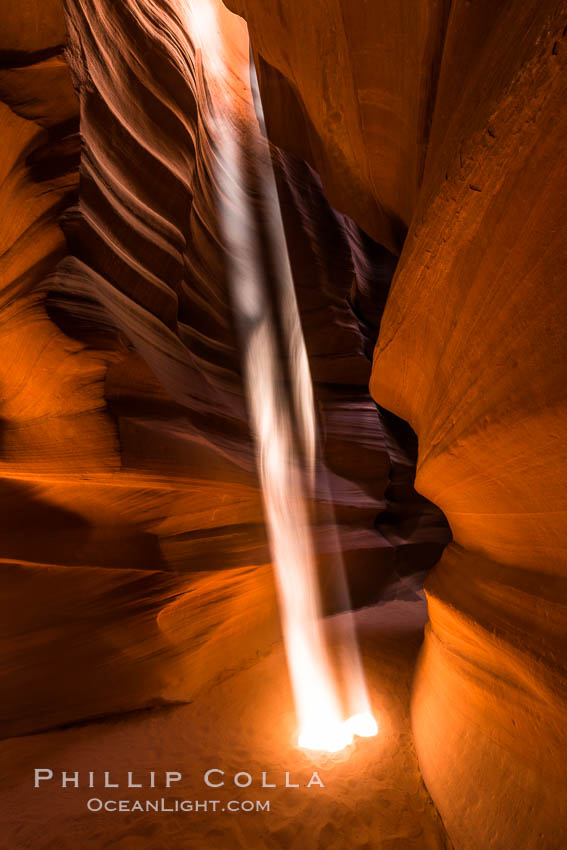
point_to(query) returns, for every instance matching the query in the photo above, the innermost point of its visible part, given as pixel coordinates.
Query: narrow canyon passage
(282, 424)
(204, 607)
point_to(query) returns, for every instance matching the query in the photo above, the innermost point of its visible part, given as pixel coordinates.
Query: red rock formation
(126, 445)
(350, 88)
(471, 352)
(446, 119)
(120, 490)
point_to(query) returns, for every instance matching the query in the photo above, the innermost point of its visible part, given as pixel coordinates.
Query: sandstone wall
(471, 352)
(135, 555)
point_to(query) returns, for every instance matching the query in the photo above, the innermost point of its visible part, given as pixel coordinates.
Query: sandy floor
(373, 797)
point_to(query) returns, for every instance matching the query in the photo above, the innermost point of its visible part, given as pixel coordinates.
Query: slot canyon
(378, 191)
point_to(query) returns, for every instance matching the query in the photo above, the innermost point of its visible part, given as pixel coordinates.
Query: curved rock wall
(126, 446)
(350, 88)
(124, 438)
(148, 553)
(471, 353)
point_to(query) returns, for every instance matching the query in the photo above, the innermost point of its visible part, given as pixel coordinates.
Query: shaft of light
(360, 720)
(321, 719)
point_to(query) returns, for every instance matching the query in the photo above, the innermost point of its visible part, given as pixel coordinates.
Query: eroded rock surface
(350, 87)
(132, 518)
(471, 353)
(125, 440)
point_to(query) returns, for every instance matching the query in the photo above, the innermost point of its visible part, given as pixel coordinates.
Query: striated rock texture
(471, 352)
(132, 521)
(133, 549)
(125, 442)
(350, 88)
